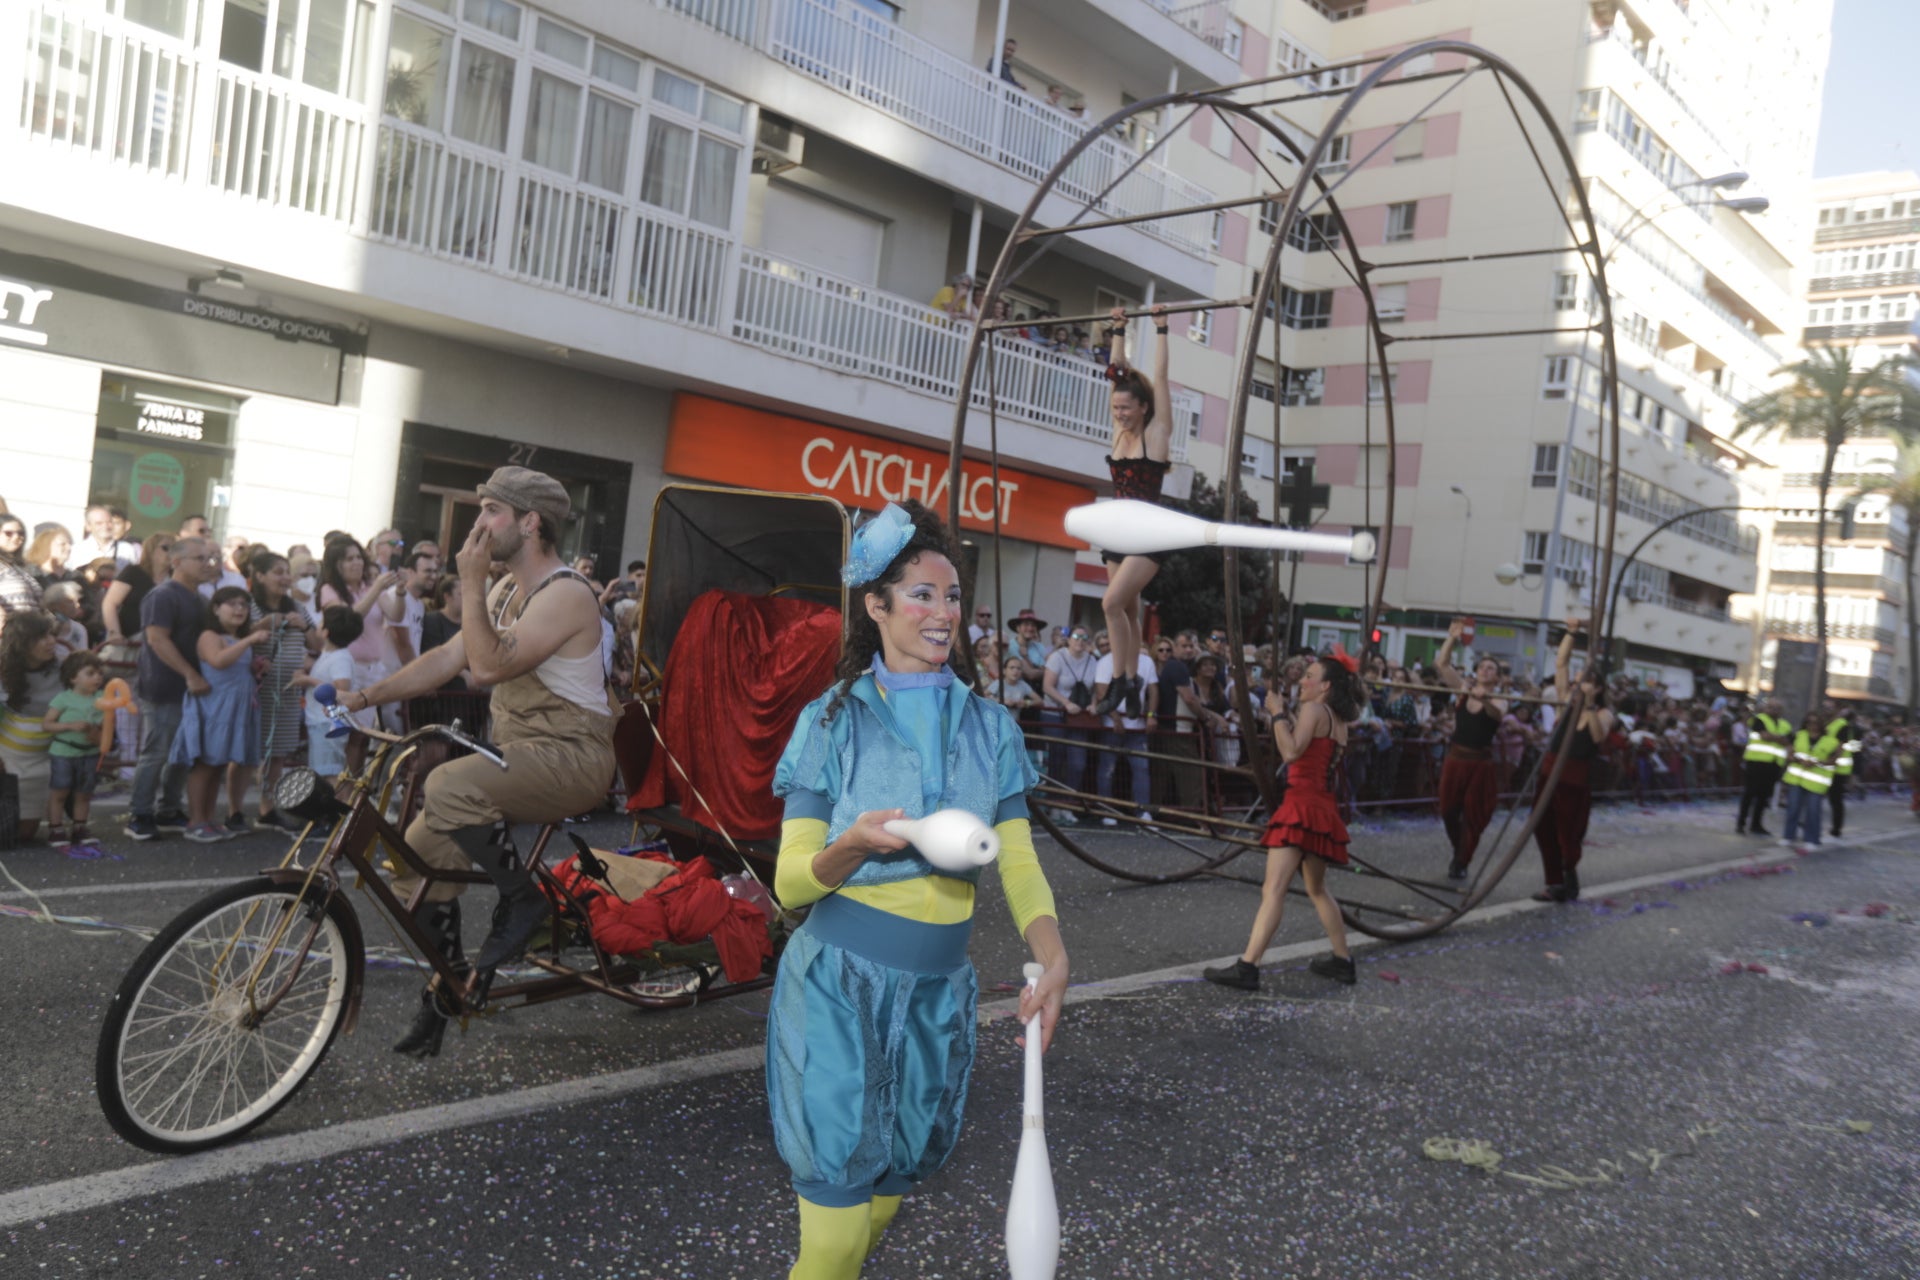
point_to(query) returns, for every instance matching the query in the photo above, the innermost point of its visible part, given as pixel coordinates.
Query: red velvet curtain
(741, 668)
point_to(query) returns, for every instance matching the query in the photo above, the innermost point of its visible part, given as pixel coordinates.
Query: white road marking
(138, 886)
(93, 1191)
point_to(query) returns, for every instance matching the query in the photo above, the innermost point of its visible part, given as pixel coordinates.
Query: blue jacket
(861, 761)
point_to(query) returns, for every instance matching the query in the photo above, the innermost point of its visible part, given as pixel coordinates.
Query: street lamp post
(1620, 574)
(1636, 220)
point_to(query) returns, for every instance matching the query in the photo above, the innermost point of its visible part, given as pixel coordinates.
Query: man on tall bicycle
(534, 640)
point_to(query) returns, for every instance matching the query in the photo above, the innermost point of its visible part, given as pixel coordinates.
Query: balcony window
(1306, 309)
(417, 64)
(1339, 154)
(482, 96)
(497, 16)
(1533, 554)
(606, 144)
(1546, 466)
(1314, 232)
(1390, 301)
(169, 16)
(560, 42)
(1400, 220)
(553, 120)
(1559, 380)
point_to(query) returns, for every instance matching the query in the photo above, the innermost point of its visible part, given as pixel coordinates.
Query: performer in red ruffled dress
(1305, 832)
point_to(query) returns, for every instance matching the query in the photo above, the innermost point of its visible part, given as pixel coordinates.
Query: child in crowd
(341, 625)
(74, 753)
(222, 726)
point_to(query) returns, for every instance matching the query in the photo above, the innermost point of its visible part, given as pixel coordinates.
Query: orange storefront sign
(731, 444)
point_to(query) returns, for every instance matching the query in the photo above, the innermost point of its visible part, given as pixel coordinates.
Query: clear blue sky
(1868, 120)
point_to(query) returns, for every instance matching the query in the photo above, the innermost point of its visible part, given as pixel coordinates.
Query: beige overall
(559, 763)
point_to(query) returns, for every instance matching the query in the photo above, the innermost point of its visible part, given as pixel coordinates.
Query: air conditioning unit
(779, 146)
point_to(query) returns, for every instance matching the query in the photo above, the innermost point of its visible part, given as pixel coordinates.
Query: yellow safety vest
(1843, 762)
(1760, 749)
(1807, 768)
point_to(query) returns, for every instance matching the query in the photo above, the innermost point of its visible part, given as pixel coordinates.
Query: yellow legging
(835, 1242)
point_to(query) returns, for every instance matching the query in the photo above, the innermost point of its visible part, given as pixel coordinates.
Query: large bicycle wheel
(225, 1015)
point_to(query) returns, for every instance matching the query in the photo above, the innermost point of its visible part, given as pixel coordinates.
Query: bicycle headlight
(306, 795)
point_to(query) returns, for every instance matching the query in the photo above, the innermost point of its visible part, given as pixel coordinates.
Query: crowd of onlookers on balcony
(180, 666)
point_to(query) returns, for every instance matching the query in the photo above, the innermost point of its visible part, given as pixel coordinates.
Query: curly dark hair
(24, 630)
(1346, 691)
(1136, 384)
(862, 640)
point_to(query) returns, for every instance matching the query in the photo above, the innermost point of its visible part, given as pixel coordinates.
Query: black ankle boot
(1134, 701)
(522, 908)
(1239, 975)
(441, 922)
(1570, 886)
(1339, 968)
(1116, 690)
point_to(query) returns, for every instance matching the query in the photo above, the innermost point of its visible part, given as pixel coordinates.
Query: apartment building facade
(306, 264)
(1498, 439)
(1862, 292)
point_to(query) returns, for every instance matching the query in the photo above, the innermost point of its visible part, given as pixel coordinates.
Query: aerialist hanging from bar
(1138, 460)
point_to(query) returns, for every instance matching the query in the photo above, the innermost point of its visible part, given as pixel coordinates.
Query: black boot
(1136, 698)
(1570, 886)
(1456, 871)
(522, 908)
(1339, 968)
(1116, 690)
(1239, 974)
(441, 923)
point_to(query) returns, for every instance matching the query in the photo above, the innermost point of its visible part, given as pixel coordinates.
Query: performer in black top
(1469, 792)
(1562, 829)
(1142, 440)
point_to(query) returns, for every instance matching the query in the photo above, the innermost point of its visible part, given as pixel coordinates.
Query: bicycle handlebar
(329, 699)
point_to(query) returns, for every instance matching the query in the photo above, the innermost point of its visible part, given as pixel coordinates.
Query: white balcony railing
(1211, 20)
(285, 144)
(117, 94)
(869, 58)
(110, 89)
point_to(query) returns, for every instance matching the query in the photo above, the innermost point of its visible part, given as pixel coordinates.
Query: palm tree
(1832, 401)
(1901, 488)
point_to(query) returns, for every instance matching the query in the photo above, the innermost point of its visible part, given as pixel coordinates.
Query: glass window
(713, 183)
(609, 137)
(676, 91)
(483, 96)
(243, 34)
(1390, 301)
(553, 116)
(496, 16)
(724, 112)
(663, 179)
(169, 16)
(1400, 221)
(616, 68)
(557, 41)
(286, 36)
(326, 43)
(416, 88)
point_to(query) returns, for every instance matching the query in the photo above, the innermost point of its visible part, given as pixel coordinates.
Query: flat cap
(528, 490)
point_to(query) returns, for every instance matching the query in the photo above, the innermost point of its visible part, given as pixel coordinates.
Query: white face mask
(305, 586)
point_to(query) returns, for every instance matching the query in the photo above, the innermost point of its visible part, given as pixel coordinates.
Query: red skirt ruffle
(1308, 820)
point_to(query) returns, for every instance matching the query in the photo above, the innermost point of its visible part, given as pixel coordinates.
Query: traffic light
(1376, 637)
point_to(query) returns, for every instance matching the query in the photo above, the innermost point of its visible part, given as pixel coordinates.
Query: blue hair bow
(875, 544)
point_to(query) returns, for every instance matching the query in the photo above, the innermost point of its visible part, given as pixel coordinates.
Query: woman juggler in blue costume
(870, 1038)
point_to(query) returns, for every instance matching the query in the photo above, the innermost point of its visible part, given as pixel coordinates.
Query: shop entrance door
(458, 510)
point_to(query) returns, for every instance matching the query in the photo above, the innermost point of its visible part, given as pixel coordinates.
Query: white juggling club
(952, 839)
(1033, 1215)
(1133, 528)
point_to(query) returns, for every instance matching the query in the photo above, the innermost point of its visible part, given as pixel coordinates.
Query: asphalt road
(1674, 1075)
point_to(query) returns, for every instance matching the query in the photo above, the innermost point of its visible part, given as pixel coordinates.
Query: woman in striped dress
(286, 655)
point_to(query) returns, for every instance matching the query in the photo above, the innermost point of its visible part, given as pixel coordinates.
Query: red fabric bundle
(740, 670)
(686, 907)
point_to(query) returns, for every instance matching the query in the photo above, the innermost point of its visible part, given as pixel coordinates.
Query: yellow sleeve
(1028, 895)
(801, 840)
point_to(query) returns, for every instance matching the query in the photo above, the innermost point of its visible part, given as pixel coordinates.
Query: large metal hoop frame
(1311, 189)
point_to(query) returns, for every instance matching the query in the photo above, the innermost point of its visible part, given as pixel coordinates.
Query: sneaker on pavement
(1240, 975)
(1338, 968)
(170, 818)
(57, 836)
(141, 827)
(207, 833)
(237, 823)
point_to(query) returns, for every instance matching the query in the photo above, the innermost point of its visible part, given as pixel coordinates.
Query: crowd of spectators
(1664, 746)
(218, 646)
